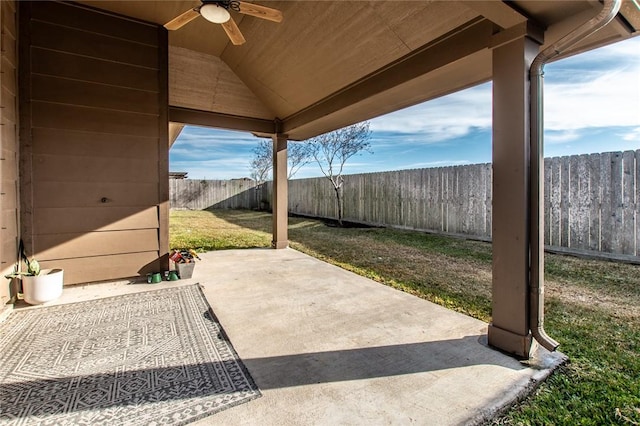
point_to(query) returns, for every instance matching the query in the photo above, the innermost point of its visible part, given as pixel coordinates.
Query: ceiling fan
(217, 11)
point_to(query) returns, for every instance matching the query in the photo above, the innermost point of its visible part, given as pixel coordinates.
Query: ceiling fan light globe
(214, 13)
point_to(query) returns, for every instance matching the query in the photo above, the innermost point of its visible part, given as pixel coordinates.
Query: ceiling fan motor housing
(226, 4)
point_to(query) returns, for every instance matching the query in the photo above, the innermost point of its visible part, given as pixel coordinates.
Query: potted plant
(38, 285)
(184, 260)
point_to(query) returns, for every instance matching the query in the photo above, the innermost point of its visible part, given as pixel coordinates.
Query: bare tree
(262, 163)
(332, 150)
(297, 156)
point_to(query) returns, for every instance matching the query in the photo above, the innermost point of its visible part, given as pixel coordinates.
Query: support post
(510, 329)
(280, 202)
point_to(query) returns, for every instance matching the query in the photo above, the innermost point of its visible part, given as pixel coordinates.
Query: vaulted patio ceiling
(334, 63)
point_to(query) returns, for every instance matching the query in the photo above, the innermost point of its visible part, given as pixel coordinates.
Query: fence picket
(555, 204)
(595, 194)
(628, 203)
(565, 200)
(591, 201)
(616, 203)
(606, 230)
(573, 216)
(581, 231)
(547, 199)
(637, 202)
(488, 199)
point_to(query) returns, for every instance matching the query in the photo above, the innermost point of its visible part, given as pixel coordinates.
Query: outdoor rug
(157, 357)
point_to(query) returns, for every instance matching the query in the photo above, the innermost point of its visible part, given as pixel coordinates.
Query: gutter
(536, 184)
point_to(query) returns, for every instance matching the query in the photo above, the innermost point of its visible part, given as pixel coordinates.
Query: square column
(280, 201)
(510, 329)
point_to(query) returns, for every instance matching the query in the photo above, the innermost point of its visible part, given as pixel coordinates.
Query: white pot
(44, 287)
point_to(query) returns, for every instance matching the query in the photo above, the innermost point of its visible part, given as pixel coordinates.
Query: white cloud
(611, 99)
(441, 119)
(212, 153)
(626, 50)
(632, 136)
(600, 88)
(561, 136)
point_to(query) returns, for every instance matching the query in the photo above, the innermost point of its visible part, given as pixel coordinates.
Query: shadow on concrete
(372, 362)
(111, 389)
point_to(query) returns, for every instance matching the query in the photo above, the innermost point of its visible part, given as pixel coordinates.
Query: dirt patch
(615, 305)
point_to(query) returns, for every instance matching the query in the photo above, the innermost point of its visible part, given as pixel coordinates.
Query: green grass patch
(601, 383)
(205, 231)
(613, 278)
(593, 307)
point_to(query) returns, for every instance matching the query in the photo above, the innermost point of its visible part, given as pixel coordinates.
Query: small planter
(185, 270)
(42, 288)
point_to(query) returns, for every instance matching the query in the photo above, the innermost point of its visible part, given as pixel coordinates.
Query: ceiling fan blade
(231, 28)
(260, 11)
(181, 20)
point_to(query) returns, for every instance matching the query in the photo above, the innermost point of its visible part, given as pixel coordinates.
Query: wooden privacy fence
(592, 202)
(192, 194)
(445, 199)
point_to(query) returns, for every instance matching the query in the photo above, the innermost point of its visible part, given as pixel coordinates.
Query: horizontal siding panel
(86, 219)
(9, 46)
(9, 222)
(88, 269)
(73, 92)
(8, 195)
(65, 246)
(93, 45)
(8, 166)
(9, 18)
(93, 169)
(9, 245)
(9, 107)
(9, 253)
(71, 143)
(218, 88)
(8, 145)
(87, 194)
(93, 141)
(68, 117)
(100, 23)
(8, 75)
(94, 70)
(9, 139)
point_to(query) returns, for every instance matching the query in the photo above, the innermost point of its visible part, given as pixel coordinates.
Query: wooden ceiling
(333, 63)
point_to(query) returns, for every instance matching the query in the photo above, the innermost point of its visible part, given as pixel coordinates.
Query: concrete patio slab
(326, 346)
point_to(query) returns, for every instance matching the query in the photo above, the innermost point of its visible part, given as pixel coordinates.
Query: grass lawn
(592, 307)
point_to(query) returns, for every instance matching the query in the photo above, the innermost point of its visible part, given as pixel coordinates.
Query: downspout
(536, 232)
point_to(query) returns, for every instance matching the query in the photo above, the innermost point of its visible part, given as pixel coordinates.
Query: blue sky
(592, 104)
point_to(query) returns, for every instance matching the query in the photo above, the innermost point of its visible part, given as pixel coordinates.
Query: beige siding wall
(8, 145)
(204, 82)
(94, 147)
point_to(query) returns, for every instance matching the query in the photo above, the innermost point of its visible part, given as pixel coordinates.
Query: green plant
(33, 269)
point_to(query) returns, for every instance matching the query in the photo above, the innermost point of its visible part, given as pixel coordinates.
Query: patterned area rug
(158, 357)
